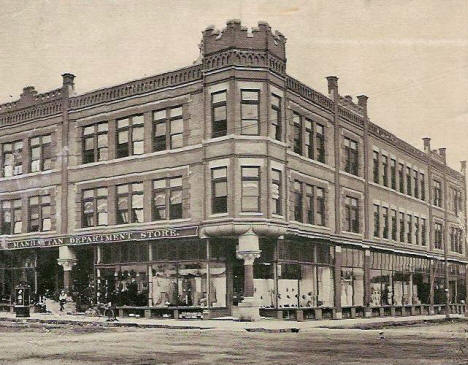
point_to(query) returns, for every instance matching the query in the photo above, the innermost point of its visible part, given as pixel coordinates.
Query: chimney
(332, 86)
(362, 102)
(442, 152)
(463, 167)
(427, 144)
(68, 82)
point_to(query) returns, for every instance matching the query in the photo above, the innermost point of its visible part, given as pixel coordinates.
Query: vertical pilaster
(337, 279)
(367, 266)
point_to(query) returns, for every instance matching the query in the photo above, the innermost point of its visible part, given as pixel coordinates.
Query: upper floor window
(41, 153)
(385, 170)
(416, 230)
(298, 201)
(218, 114)
(394, 224)
(39, 213)
(276, 128)
(438, 236)
(168, 127)
(130, 136)
(415, 183)
(95, 143)
(250, 110)
(250, 189)
(375, 168)
(456, 241)
(315, 205)
(423, 232)
(351, 156)
(219, 190)
(94, 207)
(376, 220)
(401, 177)
(12, 216)
(297, 121)
(351, 215)
(423, 186)
(167, 198)
(437, 193)
(315, 140)
(409, 231)
(385, 222)
(393, 173)
(276, 192)
(408, 181)
(402, 226)
(456, 203)
(130, 203)
(12, 157)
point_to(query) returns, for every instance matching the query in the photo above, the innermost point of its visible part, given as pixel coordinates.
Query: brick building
(227, 187)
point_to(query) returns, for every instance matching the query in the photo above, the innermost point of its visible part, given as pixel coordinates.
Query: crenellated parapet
(30, 97)
(238, 45)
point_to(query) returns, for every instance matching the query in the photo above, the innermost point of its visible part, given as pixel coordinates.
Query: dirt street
(53, 345)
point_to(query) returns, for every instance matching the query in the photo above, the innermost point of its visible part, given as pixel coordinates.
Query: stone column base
(367, 312)
(337, 315)
(248, 310)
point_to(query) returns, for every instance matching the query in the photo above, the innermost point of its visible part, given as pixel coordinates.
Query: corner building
(227, 188)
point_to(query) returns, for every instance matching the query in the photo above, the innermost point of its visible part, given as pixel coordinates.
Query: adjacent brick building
(225, 187)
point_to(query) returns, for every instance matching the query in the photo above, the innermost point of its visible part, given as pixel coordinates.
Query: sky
(409, 57)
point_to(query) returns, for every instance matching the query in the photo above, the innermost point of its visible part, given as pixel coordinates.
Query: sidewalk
(228, 324)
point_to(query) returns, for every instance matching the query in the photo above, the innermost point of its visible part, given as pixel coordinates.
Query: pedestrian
(62, 300)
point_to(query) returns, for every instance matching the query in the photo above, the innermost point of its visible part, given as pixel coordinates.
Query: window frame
(42, 149)
(250, 178)
(250, 102)
(213, 106)
(95, 135)
(129, 129)
(214, 199)
(40, 205)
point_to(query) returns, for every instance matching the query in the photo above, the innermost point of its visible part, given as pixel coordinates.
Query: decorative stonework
(248, 256)
(67, 264)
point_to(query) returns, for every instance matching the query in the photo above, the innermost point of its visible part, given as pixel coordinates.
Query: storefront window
(352, 277)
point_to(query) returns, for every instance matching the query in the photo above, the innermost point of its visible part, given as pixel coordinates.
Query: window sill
(352, 175)
(250, 213)
(29, 174)
(216, 215)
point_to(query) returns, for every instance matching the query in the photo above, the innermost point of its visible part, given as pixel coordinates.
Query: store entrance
(49, 273)
(238, 281)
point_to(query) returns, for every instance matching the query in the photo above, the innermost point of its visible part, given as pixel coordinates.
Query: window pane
(160, 129)
(88, 130)
(176, 197)
(219, 172)
(176, 181)
(138, 148)
(219, 97)
(89, 143)
(138, 119)
(176, 112)
(220, 189)
(123, 137)
(46, 139)
(177, 126)
(249, 203)
(159, 184)
(250, 171)
(220, 113)
(159, 114)
(137, 201)
(103, 127)
(102, 140)
(249, 111)
(250, 95)
(137, 133)
(121, 123)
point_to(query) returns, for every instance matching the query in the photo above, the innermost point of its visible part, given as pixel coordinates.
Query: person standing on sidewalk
(62, 300)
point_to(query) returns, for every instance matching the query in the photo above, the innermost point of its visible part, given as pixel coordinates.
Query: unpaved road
(442, 344)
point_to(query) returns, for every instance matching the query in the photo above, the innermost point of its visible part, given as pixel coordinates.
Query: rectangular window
(95, 143)
(250, 110)
(437, 193)
(298, 201)
(12, 222)
(94, 207)
(167, 198)
(409, 233)
(394, 224)
(168, 128)
(297, 119)
(438, 243)
(376, 167)
(401, 177)
(309, 200)
(385, 222)
(12, 158)
(423, 232)
(39, 214)
(276, 130)
(402, 227)
(351, 214)
(416, 183)
(393, 173)
(41, 153)
(320, 142)
(250, 189)
(320, 214)
(309, 138)
(219, 190)
(351, 156)
(376, 220)
(385, 170)
(130, 203)
(408, 181)
(423, 186)
(130, 136)
(416, 230)
(276, 192)
(218, 114)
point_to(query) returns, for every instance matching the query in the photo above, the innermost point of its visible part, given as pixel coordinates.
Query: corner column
(67, 259)
(248, 250)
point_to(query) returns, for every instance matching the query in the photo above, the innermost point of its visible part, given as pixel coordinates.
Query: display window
(352, 277)
(17, 267)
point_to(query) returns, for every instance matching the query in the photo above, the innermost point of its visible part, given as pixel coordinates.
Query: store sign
(154, 234)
